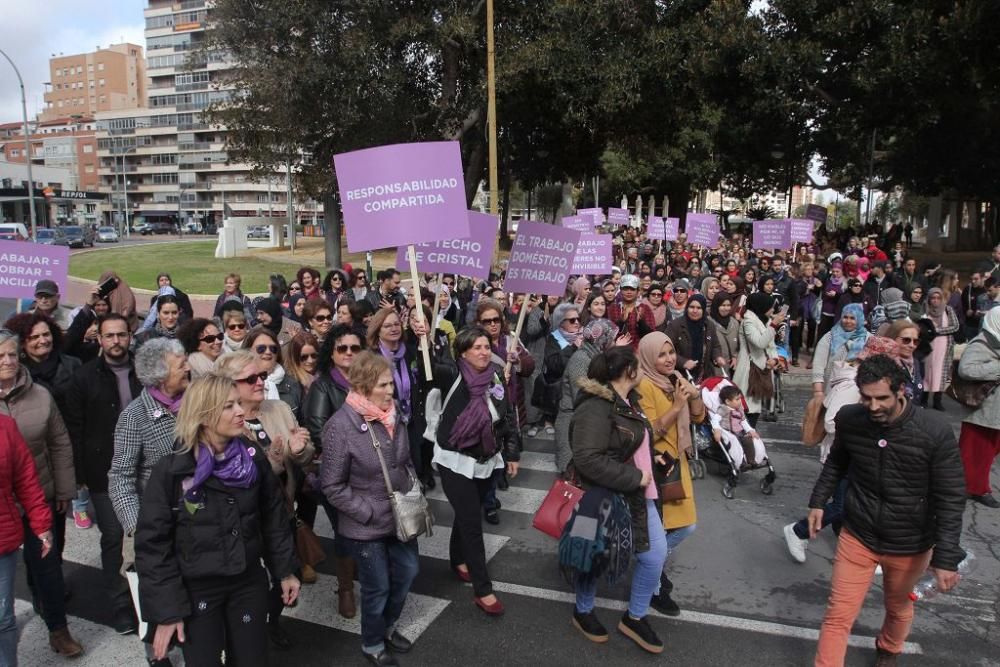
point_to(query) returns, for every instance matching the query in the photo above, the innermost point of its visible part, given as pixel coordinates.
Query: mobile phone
(784, 310)
(105, 288)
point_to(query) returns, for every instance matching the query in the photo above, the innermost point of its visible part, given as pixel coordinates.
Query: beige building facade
(84, 84)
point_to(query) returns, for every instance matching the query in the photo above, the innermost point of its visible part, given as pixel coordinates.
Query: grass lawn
(192, 265)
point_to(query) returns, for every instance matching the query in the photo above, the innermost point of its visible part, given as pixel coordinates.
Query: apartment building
(165, 160)
(87, 83)
(64, 143)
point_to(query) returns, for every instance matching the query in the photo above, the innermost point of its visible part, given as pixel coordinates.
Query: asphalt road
(744, 600)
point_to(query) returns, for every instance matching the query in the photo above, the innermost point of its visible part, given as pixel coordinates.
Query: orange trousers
(853, 570)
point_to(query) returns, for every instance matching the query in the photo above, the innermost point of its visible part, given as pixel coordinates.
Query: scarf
(274, 378)
(853, 340)
(339, 379)
(234, 468)
(565, 338)
(474, 424)
(291, 308)
(717, 302)
(171, 404)
(400, 374)
(44, 371)
(935, 312)
(649, 350)
(696, 328)
(231, 345)
(372, 413)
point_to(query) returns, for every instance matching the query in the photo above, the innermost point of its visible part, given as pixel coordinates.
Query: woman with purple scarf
(326, 397)
(832, 291)
(475, 437)
(200, 579)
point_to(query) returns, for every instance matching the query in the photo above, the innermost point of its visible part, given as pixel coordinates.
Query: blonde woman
(231, 514)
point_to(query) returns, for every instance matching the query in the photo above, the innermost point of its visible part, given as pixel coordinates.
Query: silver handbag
(410, 510)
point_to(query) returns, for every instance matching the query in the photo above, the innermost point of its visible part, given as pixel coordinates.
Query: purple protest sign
(541, 260)
(801, 230)
(402, 194)
(578, 222)
(618, 216)
(672, 229)
(771, 235)
(593, 254)
(470, 256)
(595, 215)
(816, 213)
(702, 229)
(655, 228)
(23, 264)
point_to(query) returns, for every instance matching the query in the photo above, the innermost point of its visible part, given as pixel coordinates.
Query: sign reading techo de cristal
(402, 194)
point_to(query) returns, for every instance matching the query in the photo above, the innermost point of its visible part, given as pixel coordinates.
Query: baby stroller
(775, 405)
(730, 460)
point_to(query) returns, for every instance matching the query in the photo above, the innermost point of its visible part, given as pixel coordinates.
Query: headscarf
(291, 307)
(854, 340)
(696, 328)
(272, 308)
(759, 303)
(717, 302)
(151, 316)
(600, 333)
(649, 349)
(880, 345)
(708, 281)
(991, 326)
(935, 312)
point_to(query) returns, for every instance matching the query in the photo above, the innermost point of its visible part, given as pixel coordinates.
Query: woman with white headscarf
(979, 441)
(937, 364)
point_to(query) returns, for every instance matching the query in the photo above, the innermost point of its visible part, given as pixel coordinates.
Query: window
(88, 148)
(100, 67)
(79, 69)
(100, 81)
(14, 152)
(89, 169)
(90, 67)
(59, 103)
(92, 84)
(102, 99)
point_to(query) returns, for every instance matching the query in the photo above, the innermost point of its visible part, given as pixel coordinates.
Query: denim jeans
(8, 622)
(645, 578)
(832, 513)
(386, 570)
(45, 575)
(82, 501)
(112, 535)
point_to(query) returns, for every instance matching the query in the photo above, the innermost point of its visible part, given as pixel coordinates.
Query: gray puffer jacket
(981, 361)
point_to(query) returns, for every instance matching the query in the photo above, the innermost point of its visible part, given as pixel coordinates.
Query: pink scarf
(171, 404)
(372, 413)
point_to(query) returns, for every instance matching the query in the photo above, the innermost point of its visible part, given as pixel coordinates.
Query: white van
(13, 231)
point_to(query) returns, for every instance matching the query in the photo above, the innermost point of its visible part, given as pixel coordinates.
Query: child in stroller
(734, 445)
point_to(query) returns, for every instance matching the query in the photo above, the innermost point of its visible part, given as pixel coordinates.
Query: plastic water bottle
(927, 588)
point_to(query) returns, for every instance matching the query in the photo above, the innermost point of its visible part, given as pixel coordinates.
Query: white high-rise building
(173, 161)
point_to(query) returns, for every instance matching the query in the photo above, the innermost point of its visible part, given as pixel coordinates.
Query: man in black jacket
(97, 394)
(878, 281)
(903, 508)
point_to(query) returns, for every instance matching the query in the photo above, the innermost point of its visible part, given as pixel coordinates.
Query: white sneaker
(796, 546)
(878, 570)
(532, 432)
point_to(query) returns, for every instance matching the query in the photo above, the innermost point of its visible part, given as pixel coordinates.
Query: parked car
(52, 236)
(158, 228)
(140, 228)
(259, 232)
(79, 237)
(107, 235)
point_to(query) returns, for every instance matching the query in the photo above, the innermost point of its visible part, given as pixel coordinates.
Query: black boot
(937, 401)
(923, 399)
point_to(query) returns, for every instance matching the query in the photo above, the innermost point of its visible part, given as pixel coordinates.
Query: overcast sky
(32, 31)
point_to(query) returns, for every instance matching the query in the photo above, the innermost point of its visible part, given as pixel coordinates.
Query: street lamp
(124, 151)
(27, 145)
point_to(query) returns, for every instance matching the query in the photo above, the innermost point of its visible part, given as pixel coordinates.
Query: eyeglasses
(680, 289)
(294, 288)
(236, 326)
(261, 349)
(572, 320)
(323, 318)
(208, 340)
(490, 321)
(906, 340)
(342, 349)
(449, 283)
(252, 379)
(652, 294)
(337, 278)
(308, 355)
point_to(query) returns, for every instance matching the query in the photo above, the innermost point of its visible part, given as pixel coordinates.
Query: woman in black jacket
(474, 437)
(696, 340)
(208, 516)
(565, 339)
(613, 449)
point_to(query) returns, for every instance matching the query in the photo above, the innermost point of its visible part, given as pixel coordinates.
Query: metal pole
(291, 205)
(491, 113)
(871, 177)
(27, 147)
(125, 187)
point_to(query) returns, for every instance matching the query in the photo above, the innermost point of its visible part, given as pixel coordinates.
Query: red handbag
(557, 508)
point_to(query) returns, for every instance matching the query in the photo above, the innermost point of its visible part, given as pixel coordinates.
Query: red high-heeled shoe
(495, 609)
(464, 576)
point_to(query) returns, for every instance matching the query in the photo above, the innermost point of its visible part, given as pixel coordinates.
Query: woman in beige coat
(756, 342)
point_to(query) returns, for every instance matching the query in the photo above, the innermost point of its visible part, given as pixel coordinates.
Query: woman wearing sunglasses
(279, 384)
(301, 359)
(318, 317)
(359, 284)
(202, 342)
(271, 425)
(565, 339)
(234, 325)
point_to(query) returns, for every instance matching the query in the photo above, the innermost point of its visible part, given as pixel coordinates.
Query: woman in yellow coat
(671, 404)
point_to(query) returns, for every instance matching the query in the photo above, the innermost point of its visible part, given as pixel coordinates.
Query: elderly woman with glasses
(318, 318)
(564, 340)
(39, 421)
(211, 514)
(202, 342)
(279, 384)
(270, 425)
